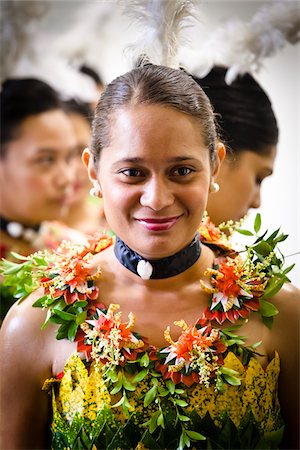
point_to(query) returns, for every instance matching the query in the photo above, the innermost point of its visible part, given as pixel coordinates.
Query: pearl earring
(214, 187)
(95, 191)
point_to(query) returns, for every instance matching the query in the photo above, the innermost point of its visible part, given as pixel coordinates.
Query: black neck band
(17, 230)
(158, 268)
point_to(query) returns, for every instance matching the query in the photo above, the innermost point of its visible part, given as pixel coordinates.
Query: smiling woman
(184, 369)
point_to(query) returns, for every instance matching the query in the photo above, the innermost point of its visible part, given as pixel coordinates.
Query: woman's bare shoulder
(288, 297)
(21, 331)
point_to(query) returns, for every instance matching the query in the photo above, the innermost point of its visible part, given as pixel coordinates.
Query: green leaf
(267, 309)
(160, 420)
(170, 386)
(180, 402)
(145, 360)
(195, 436)
(234, 381)
(257, 223)
(40, 302)
(64, 315)
(268, 321)
(127, 384)
(153, 421)
(274, 285)
(263, 248)
(245, 232)
(72, 331)
(140, 375)
(150, 396)
(117, 387)
(183, 418)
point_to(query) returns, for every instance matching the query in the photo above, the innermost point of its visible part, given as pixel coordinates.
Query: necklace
(17, 230)
(158, 268)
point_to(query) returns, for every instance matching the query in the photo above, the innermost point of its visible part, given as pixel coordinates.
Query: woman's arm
(285, 338)
(25, 364)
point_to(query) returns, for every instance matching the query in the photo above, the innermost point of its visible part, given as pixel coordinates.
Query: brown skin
(240, 181)
(30, 355)
(83, 214)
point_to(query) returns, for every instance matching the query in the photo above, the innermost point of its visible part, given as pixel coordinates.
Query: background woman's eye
(46, 160)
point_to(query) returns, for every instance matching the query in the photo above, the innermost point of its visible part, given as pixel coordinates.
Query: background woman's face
(240, 185)
(36, 171)
(155, 178)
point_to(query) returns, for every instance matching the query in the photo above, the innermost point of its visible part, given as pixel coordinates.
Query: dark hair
(246, 120)
(91, 73)
(148, 85)
(21, 98)
(80, 108)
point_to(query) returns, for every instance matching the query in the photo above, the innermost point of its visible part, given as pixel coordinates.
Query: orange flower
(227, 284)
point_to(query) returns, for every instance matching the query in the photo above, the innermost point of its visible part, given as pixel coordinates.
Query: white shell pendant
(144, 269)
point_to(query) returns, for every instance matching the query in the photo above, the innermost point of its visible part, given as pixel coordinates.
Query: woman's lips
(161, 224)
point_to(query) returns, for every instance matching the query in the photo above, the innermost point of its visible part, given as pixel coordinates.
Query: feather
(162, 28)
(24, 54)
(242, 47)
(19, 22)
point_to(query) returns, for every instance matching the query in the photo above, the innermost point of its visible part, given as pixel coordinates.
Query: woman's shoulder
(23, 321)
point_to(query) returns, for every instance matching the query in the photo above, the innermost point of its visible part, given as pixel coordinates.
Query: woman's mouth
(161, 224)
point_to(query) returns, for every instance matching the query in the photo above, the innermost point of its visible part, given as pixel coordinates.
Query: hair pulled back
(20, 99)
(245, 118)
(149, 85)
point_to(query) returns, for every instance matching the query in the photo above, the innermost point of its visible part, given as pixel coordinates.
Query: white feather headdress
(28, 51)
(243, 46)
(163, 28)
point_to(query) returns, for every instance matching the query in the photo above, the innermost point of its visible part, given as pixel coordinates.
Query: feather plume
(19, 22)
(243, 46)
(24, 54)
(162, 28)
(82, 42)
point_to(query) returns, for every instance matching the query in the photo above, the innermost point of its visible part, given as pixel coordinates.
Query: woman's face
(240, 184)
(155, 177)
(36, 171)
(81, 184)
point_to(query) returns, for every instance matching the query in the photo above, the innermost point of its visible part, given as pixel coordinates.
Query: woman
(165, 378)
(37, 153)
(83, 211)
(248, 126)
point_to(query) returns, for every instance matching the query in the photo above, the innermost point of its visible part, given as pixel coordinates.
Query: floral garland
(239, 283)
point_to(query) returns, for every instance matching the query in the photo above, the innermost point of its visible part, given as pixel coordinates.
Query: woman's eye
(132, 173)
(46, 160)
(181, 171)
(259, 181)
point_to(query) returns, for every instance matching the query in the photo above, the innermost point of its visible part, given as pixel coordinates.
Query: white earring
(214, 187)
(95, 191)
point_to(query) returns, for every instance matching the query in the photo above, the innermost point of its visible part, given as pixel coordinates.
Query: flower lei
(239, 283)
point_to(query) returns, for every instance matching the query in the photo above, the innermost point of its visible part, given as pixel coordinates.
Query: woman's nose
(256, 199)
(157, 194)
(65, 174)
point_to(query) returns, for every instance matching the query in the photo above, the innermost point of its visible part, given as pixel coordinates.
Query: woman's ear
(220, 155)
(87, 159)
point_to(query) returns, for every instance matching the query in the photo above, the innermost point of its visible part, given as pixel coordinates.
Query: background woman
(248, 126)
(37, 153)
